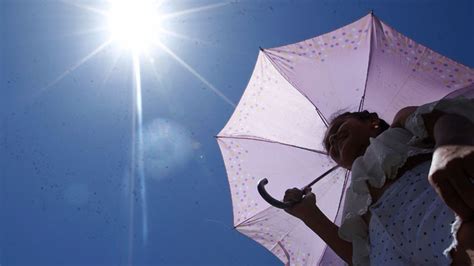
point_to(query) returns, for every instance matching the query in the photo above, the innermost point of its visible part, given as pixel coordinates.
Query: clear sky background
(66, 128)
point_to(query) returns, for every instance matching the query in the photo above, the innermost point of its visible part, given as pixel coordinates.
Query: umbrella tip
(261, 49)
(372, 12)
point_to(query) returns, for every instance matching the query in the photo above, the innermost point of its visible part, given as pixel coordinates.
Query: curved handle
(271, 200)
(283, 205)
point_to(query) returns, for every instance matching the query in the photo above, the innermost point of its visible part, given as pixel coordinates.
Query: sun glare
(135, 24)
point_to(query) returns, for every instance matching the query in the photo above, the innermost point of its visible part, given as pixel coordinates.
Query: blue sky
(66, 136)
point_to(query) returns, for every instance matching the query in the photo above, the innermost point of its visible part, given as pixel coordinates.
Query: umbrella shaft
(320, 177)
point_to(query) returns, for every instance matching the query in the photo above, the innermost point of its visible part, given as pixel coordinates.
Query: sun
(137, 25)
(134, 24)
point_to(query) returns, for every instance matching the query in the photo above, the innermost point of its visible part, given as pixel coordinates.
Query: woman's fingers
(310, 197)
(468, 166)
(462, 181)
(463, 186)
(465, 235)
(445, 189)
(451, 174)
(296, 194)
(293, 195)
(306, 190)
(455, 188)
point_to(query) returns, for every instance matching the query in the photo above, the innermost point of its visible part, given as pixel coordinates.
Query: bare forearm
(328, 232)
(442, 128)
(452, 129)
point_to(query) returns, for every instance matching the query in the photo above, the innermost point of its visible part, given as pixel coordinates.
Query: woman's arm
(328, 232)
(402, 115)
(452, 171)
(450, 129)
(307, 211)
(452, 168)
(442, 128)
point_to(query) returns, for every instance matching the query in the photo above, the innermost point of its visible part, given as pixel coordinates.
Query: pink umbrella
(276, 130)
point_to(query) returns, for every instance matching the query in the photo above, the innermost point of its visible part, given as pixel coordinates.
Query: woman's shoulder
(420, 120)
(402, 115)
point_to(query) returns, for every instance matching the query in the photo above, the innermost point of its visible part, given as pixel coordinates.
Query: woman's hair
(339, 119)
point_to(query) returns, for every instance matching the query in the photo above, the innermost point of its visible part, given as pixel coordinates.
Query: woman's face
(349, 138)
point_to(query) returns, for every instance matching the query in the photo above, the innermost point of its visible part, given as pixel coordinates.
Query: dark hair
(339, 119)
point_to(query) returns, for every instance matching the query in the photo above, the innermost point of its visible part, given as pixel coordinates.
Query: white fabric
(385, 154)
(410, 224)
(383, 157)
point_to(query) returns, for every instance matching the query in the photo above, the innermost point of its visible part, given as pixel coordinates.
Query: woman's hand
(452, 176)
(314, 218)
(465, 236)
(463, 254)
(305, 206)
(452, 169)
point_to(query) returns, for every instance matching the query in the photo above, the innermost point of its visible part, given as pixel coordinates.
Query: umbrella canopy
(276, 130)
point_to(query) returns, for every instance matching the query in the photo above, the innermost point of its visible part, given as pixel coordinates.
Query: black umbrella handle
(271, 200)
(287, 204)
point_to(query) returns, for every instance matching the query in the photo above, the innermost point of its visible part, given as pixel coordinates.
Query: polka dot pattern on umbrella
(424, 60)
(240, 182)
(320, 49)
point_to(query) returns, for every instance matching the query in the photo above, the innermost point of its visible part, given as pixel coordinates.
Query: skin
(450, 179)
(450, 176)
(350, 141)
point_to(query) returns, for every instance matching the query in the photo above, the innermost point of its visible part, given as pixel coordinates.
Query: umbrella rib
(287, 255)
(248, 219)
(325, 121)
(262, 211)
(410, 75)
(285, 235)
(361, 104)
(271, 141)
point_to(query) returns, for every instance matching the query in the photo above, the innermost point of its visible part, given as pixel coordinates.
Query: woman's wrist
(462, 249)
(312, 216)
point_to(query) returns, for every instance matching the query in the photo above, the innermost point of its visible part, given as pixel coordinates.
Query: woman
(392, 214)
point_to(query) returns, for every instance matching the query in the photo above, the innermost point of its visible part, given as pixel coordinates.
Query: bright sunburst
(134, 24)
(137, 26)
